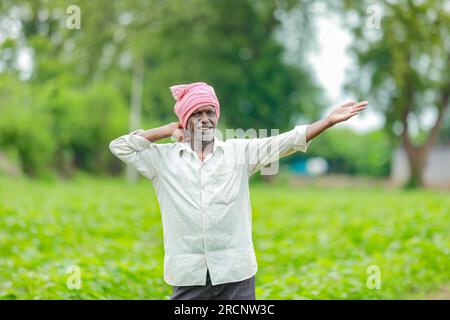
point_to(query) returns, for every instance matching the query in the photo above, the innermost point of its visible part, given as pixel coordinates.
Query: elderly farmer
(202, 187)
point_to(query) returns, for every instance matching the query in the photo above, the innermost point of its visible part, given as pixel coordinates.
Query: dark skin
(201, 125)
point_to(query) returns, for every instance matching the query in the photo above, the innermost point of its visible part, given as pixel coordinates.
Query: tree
(231, 44)
(404, 68)
(144, 47)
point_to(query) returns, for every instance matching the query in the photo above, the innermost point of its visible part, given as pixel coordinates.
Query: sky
(330, 64)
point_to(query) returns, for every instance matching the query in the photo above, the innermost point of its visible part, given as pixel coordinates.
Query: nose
(204, 118)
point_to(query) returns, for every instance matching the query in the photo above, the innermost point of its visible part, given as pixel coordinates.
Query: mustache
(203, 127)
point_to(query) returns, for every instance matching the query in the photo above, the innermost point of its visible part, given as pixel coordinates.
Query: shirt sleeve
(263, 151)
(138, 152)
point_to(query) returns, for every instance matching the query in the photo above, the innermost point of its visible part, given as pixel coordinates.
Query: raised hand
(346, 111)
(178, 132)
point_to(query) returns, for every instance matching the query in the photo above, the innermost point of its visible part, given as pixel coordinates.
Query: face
(202, 123)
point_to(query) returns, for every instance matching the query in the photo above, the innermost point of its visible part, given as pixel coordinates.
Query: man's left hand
(346, 111)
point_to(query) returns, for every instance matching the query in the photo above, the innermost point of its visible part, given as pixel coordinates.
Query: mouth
(205, 131)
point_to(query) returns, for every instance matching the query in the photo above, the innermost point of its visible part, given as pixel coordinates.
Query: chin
(203, 139)
(207, 139)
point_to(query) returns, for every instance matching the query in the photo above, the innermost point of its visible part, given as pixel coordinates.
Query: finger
(349, 103)
(359, 108)
(362, 103)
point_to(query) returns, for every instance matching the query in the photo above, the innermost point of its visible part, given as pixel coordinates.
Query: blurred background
(75, 75)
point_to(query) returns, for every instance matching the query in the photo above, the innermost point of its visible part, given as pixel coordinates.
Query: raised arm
(139, 150)
(263, 151)
(173, 129)
(340, 113)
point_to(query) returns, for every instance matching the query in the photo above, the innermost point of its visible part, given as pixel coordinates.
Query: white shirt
(205, 206)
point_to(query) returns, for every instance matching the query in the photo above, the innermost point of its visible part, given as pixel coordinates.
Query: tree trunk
(417, 155)
(135, 108)
(417, 160)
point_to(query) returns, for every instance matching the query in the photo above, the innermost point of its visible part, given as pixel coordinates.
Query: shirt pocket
(225, 185)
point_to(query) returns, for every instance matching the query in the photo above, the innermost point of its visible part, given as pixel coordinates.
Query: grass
(311, 243)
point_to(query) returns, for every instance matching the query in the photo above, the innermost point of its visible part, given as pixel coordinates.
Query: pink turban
(190, 97)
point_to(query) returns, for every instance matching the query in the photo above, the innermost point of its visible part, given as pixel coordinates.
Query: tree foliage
(403, 68)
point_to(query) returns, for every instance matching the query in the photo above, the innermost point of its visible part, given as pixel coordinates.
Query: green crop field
(311, 243)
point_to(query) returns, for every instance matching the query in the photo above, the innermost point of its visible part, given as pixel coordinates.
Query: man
(201, 184)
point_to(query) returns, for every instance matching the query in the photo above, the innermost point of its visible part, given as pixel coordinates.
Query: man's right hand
(178, 132)
(173, 129)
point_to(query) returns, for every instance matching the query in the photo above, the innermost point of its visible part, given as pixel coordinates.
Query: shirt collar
(187, 146)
